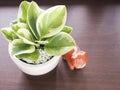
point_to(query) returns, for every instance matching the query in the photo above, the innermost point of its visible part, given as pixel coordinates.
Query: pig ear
(76, 52)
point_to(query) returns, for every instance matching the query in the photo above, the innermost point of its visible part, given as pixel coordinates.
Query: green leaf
(59, 44)
(51, 21)
(22, 13)
(14, 36)
(67, 29)
(26, 36)
(18, 25)
(19, 47)
(7, 33)
(33, 12)
(31, 56)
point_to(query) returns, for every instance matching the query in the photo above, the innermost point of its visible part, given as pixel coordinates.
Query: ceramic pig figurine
(76, 58)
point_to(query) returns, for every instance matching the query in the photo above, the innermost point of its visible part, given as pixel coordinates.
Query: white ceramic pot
(35, 70)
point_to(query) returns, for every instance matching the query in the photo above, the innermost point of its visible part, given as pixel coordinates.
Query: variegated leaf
(19, 47)
(26, 36)
(59, 44)
(34, 56)
(33, 12)
(51, 21)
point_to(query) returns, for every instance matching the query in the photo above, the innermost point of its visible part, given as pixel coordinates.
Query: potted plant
(38, 38)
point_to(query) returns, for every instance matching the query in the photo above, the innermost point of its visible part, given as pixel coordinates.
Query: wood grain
(96, 30)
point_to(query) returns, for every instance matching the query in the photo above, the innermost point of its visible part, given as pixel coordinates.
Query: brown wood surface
(96, 30)
(56, 2)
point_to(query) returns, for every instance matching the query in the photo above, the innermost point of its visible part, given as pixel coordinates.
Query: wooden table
(96, 30)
